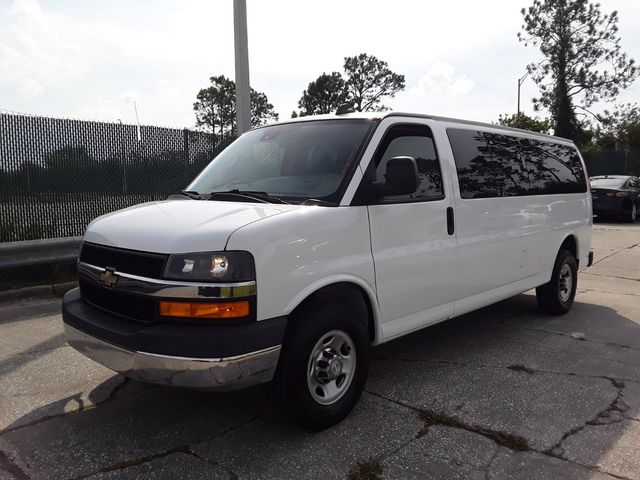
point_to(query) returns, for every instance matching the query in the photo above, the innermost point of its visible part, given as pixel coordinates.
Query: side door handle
(450, 221)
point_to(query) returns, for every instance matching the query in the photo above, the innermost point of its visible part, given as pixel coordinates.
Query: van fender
(318, 284)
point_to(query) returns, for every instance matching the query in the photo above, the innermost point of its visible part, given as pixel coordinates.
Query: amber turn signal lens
(205, 310)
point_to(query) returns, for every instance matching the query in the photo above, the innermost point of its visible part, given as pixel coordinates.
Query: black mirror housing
(401, 175)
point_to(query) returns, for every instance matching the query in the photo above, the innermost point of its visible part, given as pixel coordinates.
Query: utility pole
(243, 108)
(520, 82)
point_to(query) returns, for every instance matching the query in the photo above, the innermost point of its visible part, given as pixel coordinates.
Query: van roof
(381, 115)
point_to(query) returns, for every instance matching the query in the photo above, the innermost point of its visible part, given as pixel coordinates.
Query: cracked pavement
(502, 393)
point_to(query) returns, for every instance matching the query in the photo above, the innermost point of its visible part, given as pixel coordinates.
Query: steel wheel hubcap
(331, 367)
(566, 283)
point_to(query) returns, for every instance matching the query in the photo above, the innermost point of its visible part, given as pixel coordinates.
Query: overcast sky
(90, 59)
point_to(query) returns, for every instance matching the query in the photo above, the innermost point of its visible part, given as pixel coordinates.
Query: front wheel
(633, 216)
(556, 297)
(324, 364)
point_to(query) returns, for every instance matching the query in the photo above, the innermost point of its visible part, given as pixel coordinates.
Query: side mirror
(401, 175)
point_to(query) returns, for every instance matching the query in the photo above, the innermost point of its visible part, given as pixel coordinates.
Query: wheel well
(570, 244)
(349, 293)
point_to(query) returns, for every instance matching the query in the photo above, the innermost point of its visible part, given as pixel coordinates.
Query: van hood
(178, 226)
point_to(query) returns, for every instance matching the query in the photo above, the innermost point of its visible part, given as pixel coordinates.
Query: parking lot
(505, 392)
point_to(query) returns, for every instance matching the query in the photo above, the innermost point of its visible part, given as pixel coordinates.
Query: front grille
(143, 264)
(135, 307)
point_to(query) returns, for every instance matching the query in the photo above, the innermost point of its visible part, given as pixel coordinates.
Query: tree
(369, 80)
(619, 129)
(216, 107)
(583, 62)
(525, 122)
(324, 95)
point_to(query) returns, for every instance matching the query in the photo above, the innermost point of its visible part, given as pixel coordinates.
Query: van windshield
(296, 161)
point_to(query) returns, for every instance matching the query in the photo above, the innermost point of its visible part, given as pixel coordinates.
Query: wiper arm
(186, 193)
(262, 197)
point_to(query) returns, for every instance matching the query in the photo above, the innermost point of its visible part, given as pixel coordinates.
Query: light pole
(243, 108)
(520, 82)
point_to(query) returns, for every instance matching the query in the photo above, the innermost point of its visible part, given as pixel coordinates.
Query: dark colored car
(616, 196)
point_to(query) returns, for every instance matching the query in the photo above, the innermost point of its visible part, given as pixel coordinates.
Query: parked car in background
(616, 197)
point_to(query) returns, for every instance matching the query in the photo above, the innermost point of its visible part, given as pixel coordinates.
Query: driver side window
(412, 141)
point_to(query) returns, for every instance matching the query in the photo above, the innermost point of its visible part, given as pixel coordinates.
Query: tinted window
(479, 174)
(553, 168)
(513, 179)
(412, 141)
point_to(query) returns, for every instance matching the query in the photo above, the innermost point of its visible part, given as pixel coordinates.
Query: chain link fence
(56, 175)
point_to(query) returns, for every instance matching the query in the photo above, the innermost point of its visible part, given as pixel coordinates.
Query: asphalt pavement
(503, 393)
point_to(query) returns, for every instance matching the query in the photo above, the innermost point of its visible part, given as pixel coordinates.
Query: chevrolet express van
(307, 242)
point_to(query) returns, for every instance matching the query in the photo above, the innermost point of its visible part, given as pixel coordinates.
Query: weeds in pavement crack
(369, 470)
(513, 442)
(522, 368)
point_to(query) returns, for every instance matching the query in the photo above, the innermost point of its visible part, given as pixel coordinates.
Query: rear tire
(323, 365)
(633, 215)
(557, 296)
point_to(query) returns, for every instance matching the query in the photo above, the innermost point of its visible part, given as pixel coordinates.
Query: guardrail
(38, 252)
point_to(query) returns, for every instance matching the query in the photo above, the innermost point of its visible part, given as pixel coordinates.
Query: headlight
(211, 267)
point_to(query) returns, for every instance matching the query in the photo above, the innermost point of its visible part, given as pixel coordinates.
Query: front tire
(633, 214)
(556, 297)
(323, 365)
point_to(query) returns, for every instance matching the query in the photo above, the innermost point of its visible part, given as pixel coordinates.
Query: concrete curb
(36, 293)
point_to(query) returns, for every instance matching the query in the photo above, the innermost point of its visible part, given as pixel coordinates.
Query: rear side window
(513, 179)
(496, 165)
(478, 172)
(553, 168)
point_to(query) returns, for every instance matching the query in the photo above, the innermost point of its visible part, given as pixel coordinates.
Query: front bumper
(203, 373)
(214, 357)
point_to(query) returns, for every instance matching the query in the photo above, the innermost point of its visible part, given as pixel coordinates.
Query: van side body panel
(508, 245)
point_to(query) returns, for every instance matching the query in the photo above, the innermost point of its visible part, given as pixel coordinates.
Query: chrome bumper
(203, 373)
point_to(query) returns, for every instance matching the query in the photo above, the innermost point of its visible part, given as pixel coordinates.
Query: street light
(520, 82)
(243, 108)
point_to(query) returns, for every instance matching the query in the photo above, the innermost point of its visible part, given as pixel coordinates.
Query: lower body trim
(202, 373)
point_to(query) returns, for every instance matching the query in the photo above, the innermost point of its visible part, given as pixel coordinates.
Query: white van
(305, 243)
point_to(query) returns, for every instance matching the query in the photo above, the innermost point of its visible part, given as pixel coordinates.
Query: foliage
(216, 107)
(583, 62)
(365, 82)
(369, 80)
(369, 470)
(525, 122)
(621, 126)
(324, 95)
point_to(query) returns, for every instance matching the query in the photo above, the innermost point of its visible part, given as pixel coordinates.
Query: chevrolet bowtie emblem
(108, 277)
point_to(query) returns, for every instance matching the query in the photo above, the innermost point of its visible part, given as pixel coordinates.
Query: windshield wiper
(262, 197)
(193, 195)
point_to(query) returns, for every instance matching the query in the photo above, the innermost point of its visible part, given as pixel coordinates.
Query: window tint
(412, 141)
(496, 165)
(553, 168)
(513, 179)
(479, 174)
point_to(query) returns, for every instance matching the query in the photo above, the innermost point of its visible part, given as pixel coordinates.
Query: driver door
(414, 251)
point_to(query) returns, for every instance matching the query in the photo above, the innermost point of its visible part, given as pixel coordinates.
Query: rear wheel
(556, 297)
(633, 215)
(324, 364)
